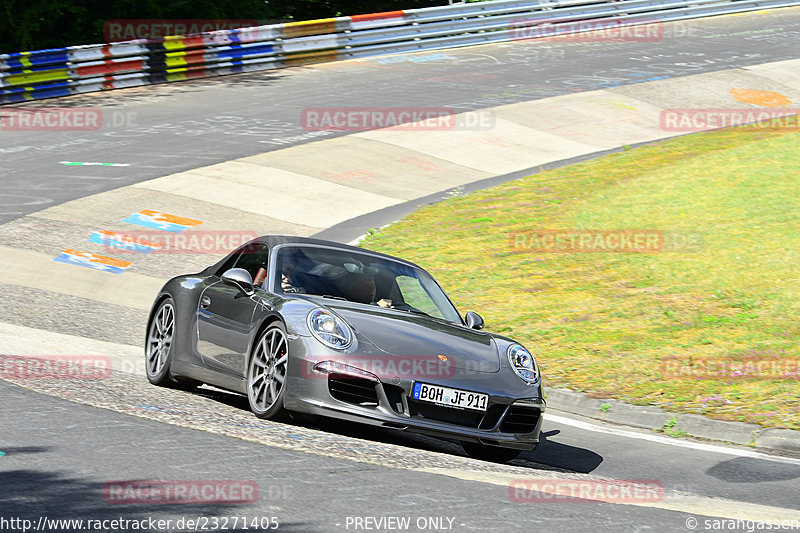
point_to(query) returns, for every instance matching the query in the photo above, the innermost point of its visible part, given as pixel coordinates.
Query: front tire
(494, 454)
(266, 374)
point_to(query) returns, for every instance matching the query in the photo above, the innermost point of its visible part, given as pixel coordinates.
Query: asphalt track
(164, 129)
(311, 487)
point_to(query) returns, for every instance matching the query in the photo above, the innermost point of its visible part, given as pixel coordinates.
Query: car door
(225, 315)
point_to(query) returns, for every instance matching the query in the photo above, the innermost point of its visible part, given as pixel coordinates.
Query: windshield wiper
(411, 310)
(331, 297)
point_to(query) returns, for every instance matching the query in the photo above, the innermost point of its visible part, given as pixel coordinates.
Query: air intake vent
(492, 416)
(460, 417)
(520, 420)
(353, 390)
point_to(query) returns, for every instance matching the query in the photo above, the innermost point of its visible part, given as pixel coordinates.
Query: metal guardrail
(79, 69)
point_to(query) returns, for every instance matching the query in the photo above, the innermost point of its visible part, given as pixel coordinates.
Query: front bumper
(375, 417)
(513, 417)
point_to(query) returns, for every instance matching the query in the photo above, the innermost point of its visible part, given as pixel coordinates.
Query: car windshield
(356, 277)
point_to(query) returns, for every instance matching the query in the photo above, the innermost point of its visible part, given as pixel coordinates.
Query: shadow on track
(28, 494)
(750, 470)
(548, 456)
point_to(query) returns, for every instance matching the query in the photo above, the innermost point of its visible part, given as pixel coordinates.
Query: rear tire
(266, 373)
(158, 348)
(494, 454)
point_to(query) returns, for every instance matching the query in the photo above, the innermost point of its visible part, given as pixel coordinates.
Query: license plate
(456, 398)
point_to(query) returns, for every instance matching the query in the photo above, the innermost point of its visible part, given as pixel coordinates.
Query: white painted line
(89, 164)
(31, 342)
(699, 446)
(693, 504)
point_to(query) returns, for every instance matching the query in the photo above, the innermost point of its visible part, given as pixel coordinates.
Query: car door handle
(205, 301)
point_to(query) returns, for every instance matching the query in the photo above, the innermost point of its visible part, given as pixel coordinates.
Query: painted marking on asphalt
(760, 98)
(114, 239)
(90, 164)
(2, 454)
(700, 446)
(90, 260)
(161, 221)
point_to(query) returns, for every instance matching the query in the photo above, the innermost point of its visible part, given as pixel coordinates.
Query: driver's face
(365, 291)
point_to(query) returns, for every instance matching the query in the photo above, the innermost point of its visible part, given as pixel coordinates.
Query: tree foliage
(38, 24)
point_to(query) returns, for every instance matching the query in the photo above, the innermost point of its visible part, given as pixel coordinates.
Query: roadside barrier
(80, 69)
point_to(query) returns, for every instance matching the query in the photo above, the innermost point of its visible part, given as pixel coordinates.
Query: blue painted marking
(142, 220)
(244, 51)
(99, 238)
(2, 454)
(71, 259)
(20, 94)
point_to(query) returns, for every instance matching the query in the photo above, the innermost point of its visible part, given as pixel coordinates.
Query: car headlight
(523, 363)
(329, 329)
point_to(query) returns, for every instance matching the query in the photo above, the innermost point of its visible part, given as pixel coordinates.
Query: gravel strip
(223, 413)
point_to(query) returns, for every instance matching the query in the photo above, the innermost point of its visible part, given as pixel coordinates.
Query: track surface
(166, 129)
(317, 485)
(393, 475)
(45, 474)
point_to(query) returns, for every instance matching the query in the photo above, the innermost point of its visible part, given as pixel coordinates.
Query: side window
(227, 265)
(254, 260)
(414, 294)
(251, 258)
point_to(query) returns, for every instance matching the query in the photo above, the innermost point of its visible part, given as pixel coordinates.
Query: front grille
(351, 389)
(461, 417)
(520, 420)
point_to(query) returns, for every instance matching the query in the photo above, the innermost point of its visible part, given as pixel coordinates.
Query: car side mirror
(473, 320)
(241, 278)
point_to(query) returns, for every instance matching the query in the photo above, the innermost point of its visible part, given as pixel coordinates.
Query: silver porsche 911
(310, 326)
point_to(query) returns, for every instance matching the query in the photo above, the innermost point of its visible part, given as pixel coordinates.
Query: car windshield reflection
(361, 278)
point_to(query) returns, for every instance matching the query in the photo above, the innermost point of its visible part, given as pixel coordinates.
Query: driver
(361, 288)
(288, 283)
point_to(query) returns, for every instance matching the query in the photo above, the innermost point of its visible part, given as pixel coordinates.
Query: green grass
(608, 322)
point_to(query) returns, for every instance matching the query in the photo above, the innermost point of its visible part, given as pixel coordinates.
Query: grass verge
(705, 322)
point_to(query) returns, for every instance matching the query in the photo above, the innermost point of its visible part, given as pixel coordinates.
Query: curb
(354, 229)
(657, 419)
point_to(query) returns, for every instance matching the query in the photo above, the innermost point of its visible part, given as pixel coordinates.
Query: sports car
(302, 325)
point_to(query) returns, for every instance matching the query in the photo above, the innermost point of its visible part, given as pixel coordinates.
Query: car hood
(410, 335)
